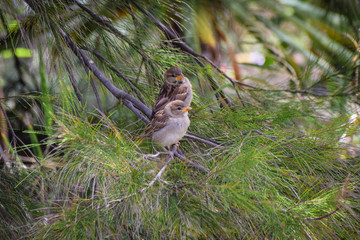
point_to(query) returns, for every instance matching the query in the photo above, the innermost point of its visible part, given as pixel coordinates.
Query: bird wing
(158, 122)
(180, 93)
(160, 105)
(163, 98)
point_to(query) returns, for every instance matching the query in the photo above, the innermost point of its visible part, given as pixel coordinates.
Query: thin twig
(6, 160)
(25, 95)
(117, 71)
(304, 92)
(190, 163)
(274, 138)
(16, 138)
(132, 103)
(342, 195)
(206, 138)
(10, 126)
(148, 156)
(97, 96)
(139, 72)
(151, 183)
(121, 95)
(325, 216)
(176, 40)
(106, 22)
(260, 133)
(74, 83)
(213, 84)
(202, 140)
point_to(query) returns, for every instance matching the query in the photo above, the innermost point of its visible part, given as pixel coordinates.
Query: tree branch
(121, 95)
(106, 22)
(190, 163)
(274, 138)
(117, 71)
(202, 140)
(131, 102)
(136, 111)
(172, 36)
(96, 95)
(73, 83)
(304, 92)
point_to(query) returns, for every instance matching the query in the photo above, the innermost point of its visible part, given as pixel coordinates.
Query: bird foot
(171, 154)
(173, 149)
(177, 146)
(170, 151)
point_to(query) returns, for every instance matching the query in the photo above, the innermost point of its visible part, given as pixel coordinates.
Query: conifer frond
(272, 150)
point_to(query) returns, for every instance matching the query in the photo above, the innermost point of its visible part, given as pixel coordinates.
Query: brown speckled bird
(170, 124)
(176, 87)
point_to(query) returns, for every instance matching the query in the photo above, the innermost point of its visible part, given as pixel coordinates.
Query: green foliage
(20, 193)
(266, 186)
(288, 164)
(47, 104)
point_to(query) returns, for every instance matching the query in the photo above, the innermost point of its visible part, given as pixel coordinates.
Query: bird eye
(179, 108)
(173, 75)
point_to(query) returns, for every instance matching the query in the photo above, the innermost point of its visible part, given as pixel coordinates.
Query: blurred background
(289, 68)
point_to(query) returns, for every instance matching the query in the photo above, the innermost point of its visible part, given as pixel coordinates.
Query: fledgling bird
(170, 124)
(176, 87)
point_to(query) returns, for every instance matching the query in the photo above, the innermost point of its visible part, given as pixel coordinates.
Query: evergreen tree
(272, 149)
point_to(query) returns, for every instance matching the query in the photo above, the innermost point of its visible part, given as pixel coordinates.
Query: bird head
(177, 108)
(174, 76)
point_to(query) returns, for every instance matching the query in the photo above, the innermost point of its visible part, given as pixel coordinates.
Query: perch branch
(304, 92)
(130, 105)
(131, 102)
(121, 95)
(117, 71)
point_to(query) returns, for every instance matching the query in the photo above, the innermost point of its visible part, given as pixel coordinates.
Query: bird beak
(186, 109)
(179, 77)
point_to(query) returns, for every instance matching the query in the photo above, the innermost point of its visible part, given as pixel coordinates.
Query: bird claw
(172, 150)
(171, 154)
(177, 146)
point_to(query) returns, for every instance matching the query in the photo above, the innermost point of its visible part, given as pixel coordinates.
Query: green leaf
(19, 52)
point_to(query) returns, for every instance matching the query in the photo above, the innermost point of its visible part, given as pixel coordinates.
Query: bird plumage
(170, 124)
(176, 87)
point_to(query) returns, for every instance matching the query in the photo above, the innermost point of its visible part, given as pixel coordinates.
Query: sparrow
(176, 87)
(170, 124)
